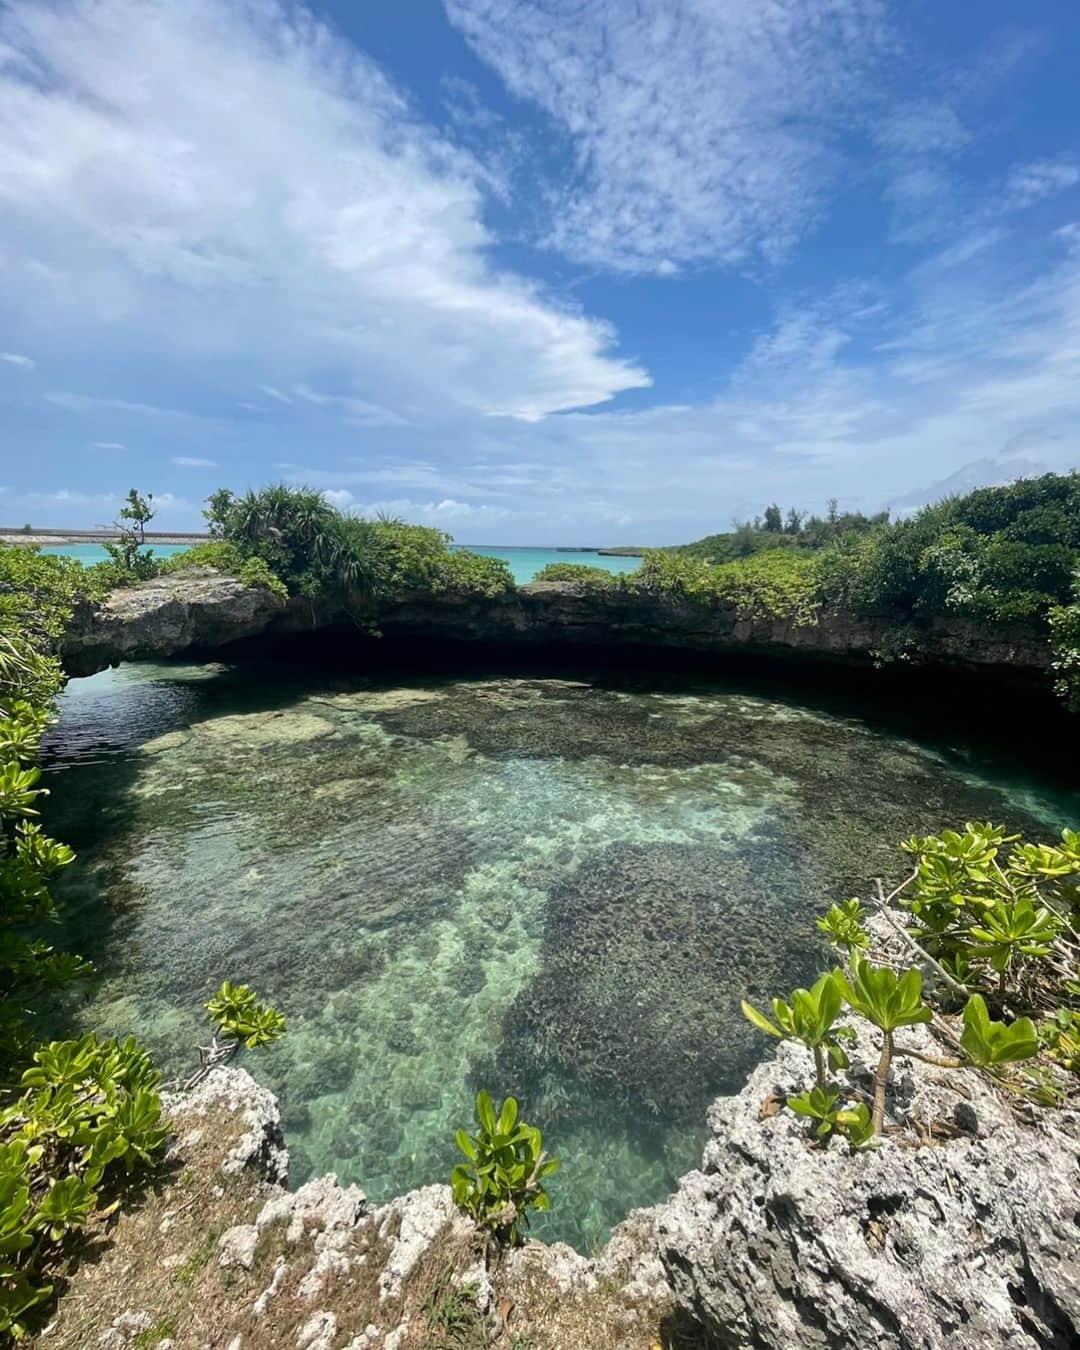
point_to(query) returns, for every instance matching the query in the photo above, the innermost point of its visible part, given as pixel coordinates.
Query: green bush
(1065, 646)
(777, 584)
(998, 920)
(229, 558)
(591, 577)
(129, 559)
(316, 551)
(37, 594)
(239, 1015)
(86, 1114)
(90, 1117)
(88, 1123)
(503, 1178)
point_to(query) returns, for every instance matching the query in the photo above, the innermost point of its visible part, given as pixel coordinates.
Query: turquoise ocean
(524, 563)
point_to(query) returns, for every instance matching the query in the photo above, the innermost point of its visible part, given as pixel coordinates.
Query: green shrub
(823, 1104)
(130, 560)
(809, 1017)
(592, 577)
(503, 1178)
(842, 924)
(37, 593)
(997, 919)
(87, 1123)
(89, 1118)
(238, 1014)
(230, 559)
(316, 551)
(1065, 646)
(86, 1114)
(990, 908)
(777, 584)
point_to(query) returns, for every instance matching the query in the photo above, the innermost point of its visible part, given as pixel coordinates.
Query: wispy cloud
(1031, 183)
(15, 359)
(701, 132)
(109, 445)
(193, 462)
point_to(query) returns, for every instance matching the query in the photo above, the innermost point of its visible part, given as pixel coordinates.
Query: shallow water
(553, 887)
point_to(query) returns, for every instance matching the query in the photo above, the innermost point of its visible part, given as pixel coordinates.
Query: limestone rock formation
(170, 614)
(203, 610)
(254, 1139)
(971, 1239)
(960, 1232)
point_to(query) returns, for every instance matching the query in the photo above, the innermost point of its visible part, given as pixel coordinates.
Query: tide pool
(558, 888)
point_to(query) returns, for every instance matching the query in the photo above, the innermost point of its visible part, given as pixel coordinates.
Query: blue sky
(536, 271)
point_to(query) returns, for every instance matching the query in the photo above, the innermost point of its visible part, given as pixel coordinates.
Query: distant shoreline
(12, 536)
(38, 537)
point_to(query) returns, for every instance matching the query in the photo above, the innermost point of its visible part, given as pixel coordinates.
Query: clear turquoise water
(556, 887)
(524, 563)
(94, 553)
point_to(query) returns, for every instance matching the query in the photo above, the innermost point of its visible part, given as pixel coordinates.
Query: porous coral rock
(259, 1145)
(964, 1243)
(410, 1223)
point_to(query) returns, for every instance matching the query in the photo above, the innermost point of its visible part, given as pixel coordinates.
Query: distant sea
(524, 563)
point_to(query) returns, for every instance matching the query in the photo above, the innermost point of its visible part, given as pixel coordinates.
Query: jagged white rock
(410, 1223)
(260, 1145)
(237, 1246)
(318, 1333)
(972, 1242)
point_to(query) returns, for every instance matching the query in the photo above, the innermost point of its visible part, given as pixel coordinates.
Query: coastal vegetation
(794, 530)
(996, 921)
(314, 549)
(1000, 558)
(503, 1177)
(576, 572)
(80, 1120)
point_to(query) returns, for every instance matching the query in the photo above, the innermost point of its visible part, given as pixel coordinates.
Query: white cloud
(227, 188)
(109, 445)
(81, 510)
(193, 462)
(14, 359)
(446, 513)
(1030, 183)
(928, 127)
(701, 132)
(358, 411)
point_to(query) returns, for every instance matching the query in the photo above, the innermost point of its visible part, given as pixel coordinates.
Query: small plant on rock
(239, 1018)
(843, 923)
(504, 1175)
(824, 1106)
(985, 1042)
(809, 1017)
(889, 1001)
